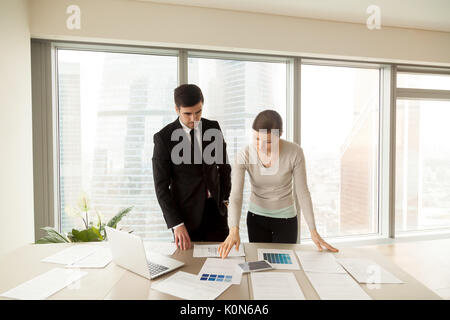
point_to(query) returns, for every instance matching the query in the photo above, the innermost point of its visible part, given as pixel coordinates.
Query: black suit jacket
(181, 188)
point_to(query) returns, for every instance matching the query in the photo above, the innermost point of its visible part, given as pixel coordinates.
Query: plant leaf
(52, 236)
(97, 232)
(87, 235)
(116, 219)
(47, 239)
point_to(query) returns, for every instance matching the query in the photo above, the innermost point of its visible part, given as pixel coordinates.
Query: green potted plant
(90, 232)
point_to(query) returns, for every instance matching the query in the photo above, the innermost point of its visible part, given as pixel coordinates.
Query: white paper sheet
(98, 259)
(212, 250)
(367, 271)
(336, 286)
(316, 261)
(186, 286)
(275, 286)
(45, 285)
(165, 248)
(221, 270)
(288, 260)
(72, 254)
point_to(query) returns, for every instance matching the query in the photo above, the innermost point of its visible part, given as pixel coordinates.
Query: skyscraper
(70, 139)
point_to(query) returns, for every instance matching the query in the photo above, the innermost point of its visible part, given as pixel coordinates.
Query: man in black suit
(191, 172)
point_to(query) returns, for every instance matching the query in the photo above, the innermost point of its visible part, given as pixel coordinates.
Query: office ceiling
(416, 14)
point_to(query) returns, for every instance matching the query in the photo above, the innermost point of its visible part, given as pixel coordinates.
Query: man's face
(190, 116)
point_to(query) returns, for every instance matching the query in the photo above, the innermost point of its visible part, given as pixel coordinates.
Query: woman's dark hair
(269, 120)
(187, 95)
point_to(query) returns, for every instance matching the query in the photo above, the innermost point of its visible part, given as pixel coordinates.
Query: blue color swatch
(279, 258)
(216, 277)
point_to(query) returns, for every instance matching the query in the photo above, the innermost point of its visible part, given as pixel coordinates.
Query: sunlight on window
(339, 136)
(110, 105)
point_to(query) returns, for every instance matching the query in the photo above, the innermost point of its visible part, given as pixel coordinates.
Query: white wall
(16, 159)
(134, 22)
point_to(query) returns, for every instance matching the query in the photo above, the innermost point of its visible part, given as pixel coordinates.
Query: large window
(110, 105)
(422, 153)
(235, 92)
(111, 100)
(339, 136)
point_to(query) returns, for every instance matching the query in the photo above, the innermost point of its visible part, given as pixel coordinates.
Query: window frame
(382, 217)
(45, 122)
(420, 94)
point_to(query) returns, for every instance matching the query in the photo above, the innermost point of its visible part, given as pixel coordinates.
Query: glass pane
(422, 165)
(235, 92)
(110, 105)
(423, 81)
(339, 136)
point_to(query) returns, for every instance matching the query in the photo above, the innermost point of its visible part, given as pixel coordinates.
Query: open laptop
(128, 252)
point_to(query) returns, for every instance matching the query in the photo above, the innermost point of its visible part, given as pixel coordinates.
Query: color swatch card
(279, 259)
(212, 250)
(275, 286)
(221, 270)
(316, 261)
(186, 286)
(367, 271)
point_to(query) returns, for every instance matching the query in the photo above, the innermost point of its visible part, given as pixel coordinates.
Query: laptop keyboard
(155, 268)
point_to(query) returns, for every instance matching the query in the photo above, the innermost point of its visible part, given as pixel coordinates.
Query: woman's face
(266, 142)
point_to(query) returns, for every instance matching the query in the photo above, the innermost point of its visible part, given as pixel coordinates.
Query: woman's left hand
(320, 243)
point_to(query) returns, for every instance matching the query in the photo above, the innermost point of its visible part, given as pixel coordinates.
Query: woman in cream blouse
(274, 167)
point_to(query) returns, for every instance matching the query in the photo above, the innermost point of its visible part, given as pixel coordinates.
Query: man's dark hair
(187, 95)
(269, 120)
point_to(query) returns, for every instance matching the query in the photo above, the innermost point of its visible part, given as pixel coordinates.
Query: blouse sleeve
(301, 189)
(237, 188)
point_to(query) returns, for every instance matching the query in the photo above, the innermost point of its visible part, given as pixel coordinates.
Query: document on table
(165, 248)
(98, 259)
(221, 270)
(279, 259)
(275, 286)
(186, 286)
(45, 285)
(212, 250)
(367, 271)
(72, 254)
(315, 261)
(336, 286)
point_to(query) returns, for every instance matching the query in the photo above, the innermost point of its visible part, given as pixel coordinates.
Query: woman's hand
(232, 239)
(317, 239)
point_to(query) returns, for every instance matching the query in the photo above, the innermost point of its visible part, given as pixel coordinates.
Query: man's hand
(182, 239)
(232, 239)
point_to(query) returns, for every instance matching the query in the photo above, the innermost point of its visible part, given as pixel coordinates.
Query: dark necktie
(194, 146)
